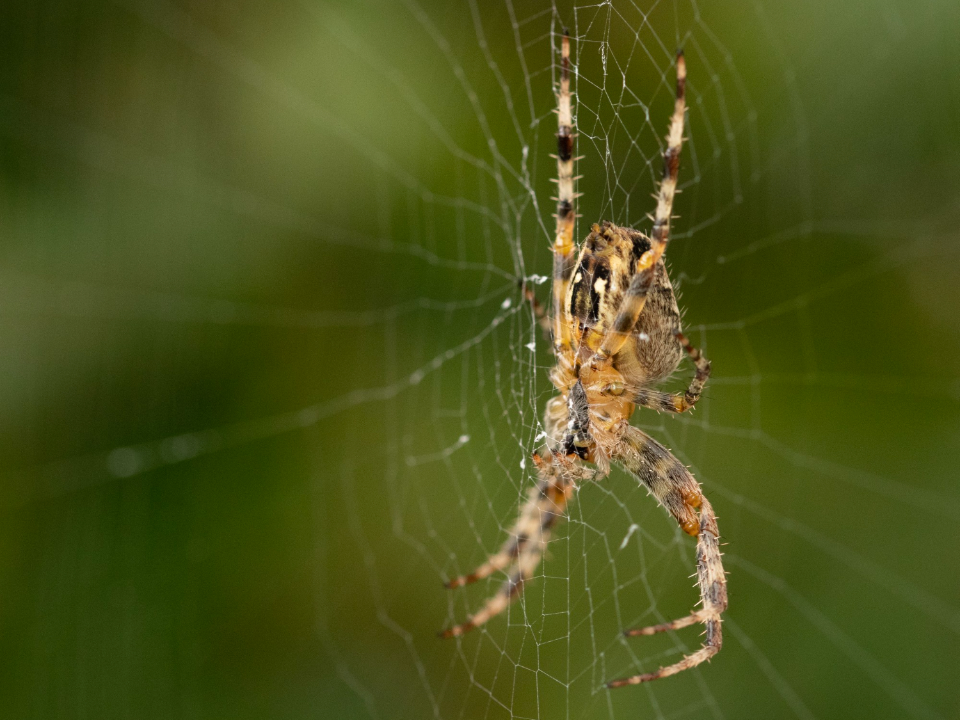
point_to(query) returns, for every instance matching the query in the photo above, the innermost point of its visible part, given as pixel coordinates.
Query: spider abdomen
(653, 353)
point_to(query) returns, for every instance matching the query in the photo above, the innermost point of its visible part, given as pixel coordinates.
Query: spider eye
(615, 388)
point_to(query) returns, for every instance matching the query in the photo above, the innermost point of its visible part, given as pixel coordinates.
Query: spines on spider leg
(563, 244)
(671, 164)
(710, 575)
(690, 661)
(646, 267)
(692, 619)
(564, 250)
(667, 479)
(659, 400)
(694, 390)
(713, 596)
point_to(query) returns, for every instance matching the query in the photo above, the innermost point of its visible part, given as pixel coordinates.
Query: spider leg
(671, 483)
(525, 528)
(544, 507)
(671, 402)
(539, 312)
(692, 395)
(645, 273)
(564, 250)
(667, 479)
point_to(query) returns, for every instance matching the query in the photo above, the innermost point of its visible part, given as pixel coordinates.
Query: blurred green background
(266, 381)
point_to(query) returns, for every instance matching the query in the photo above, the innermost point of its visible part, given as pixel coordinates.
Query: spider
(615, 328)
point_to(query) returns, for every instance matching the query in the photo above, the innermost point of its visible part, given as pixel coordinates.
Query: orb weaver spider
(615, 327)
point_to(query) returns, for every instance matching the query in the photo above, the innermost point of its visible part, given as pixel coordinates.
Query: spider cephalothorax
(615, 327)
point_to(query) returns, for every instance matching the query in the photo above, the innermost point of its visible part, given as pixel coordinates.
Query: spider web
(271, 378)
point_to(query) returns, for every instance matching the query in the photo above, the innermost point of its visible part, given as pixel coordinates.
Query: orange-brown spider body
(615, 326)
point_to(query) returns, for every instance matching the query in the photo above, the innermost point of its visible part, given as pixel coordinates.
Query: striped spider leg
(558, 476)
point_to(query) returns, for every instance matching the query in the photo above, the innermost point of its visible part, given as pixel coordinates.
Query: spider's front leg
(528, 538)
(646, 266)
(673, 485)
(539, 312)
(564, 249)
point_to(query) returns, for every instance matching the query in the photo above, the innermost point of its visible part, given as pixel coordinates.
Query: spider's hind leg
(713, 593)
(673, 485)
(544, 507)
